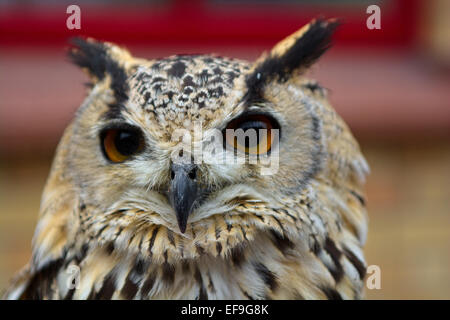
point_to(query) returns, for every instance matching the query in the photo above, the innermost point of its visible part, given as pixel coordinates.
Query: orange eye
(120, 144)
(251, 134)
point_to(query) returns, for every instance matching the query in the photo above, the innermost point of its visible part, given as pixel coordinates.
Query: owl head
(198, 147)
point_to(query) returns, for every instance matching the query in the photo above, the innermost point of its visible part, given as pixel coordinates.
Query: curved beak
(183, 192)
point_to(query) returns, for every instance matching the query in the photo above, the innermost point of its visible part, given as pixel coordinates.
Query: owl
(131, 210)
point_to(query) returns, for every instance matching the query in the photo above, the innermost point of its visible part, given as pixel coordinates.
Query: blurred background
(392, 86)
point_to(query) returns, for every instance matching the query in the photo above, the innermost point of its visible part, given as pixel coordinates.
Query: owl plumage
(295, 234)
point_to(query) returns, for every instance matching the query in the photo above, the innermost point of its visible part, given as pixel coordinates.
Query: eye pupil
(120, 144)
(252, 134)
(251, 125)
(126, 142)
(256, 125)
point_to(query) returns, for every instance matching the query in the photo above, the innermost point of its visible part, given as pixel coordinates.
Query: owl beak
(183, 192)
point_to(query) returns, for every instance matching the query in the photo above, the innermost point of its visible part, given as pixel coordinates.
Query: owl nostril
(193, 173)
(172, 174)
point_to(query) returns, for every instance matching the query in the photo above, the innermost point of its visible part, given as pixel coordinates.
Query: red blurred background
(390, 85)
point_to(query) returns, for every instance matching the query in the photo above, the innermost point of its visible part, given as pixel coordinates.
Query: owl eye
(120, 144)
(251, 134)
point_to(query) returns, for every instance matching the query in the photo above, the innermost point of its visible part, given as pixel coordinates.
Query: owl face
(174, 136)
(202, 177)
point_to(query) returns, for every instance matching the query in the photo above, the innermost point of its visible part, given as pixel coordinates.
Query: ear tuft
(101, 59)
(91, 56)
(291, 56)
(304, 47)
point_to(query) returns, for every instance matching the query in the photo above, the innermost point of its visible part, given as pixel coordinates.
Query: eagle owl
(136, 223)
